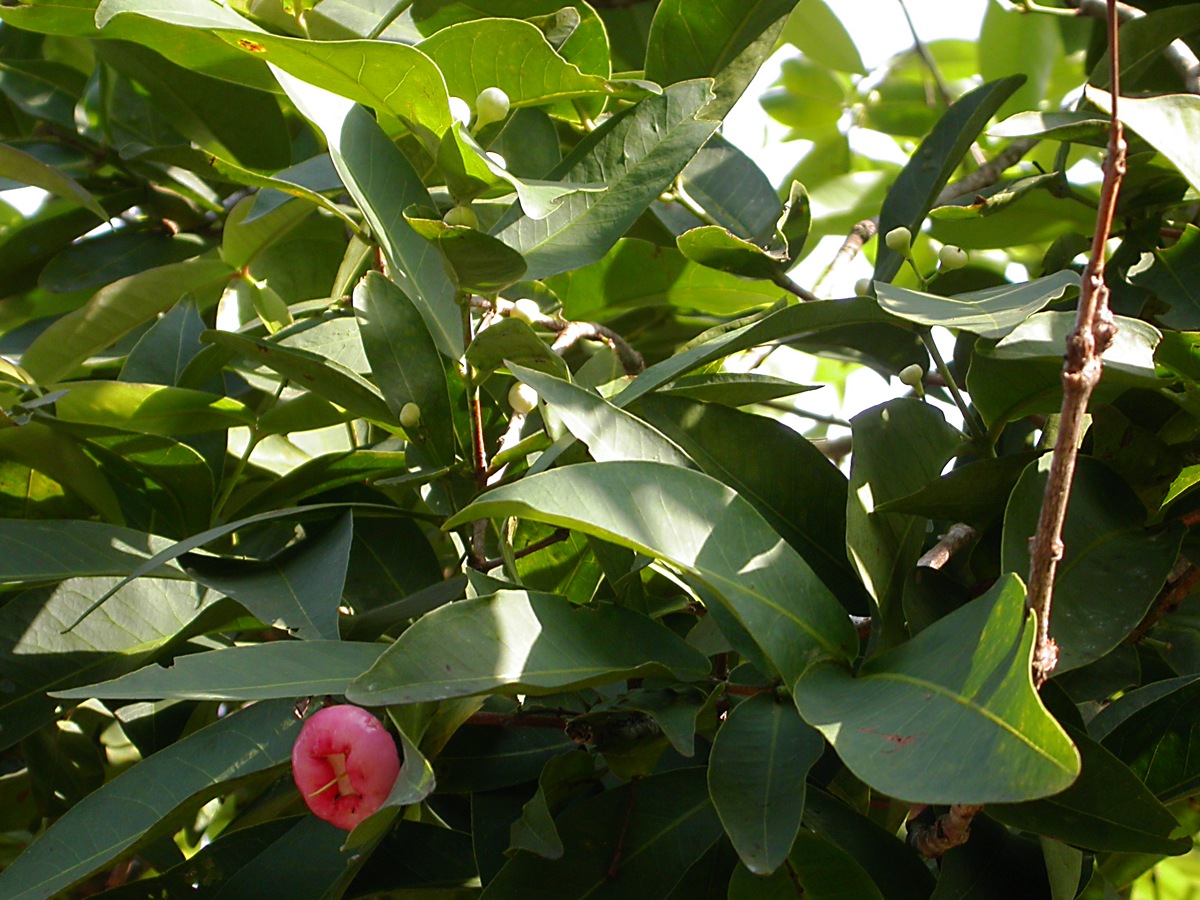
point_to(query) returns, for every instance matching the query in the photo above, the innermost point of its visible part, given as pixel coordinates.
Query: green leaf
(148, 408)
(1084, 127)
(899, 873)
(610, 433)
(35, 551)
(1107, 808)
(705, 529)
(512, 340)
(113, 312)
(482, 758)
(756, 777)
(94, 262)
(817, 869)
(512, 55)
(717, 248)
(405, 363)
(522, 642)
(637, 153)
(390, 77)
(1174, 276)
(815, 30)
(383, 185)
(732, 389)
(242, 241)
(990, 313)
(476, 262)
(918, 185)
(535, 831)
(903, 445)
(110, 821)
(808, 98)
(975, 493)
(637, 273)
(59, 456)
(299, 588)
(162, 354)
(1170, 123)
(1152, 730)
(805, 502)
(316, 373)
(1113, 567)
(668, 824)
(725, 39)
(731, 188)
(38, 657)
(901, 724)
(1012, 42)
(296, 669)
(26, 169)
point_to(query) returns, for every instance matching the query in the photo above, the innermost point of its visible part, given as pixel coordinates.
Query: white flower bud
(490, 106)
(912, 376)
(899, 239)
(862, 287)
(522, 398)
(410, 415)
(526, 310)
(460, 110)
(951, 257)
(462, 215)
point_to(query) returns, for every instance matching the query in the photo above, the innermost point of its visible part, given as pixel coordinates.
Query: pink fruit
(345, 764)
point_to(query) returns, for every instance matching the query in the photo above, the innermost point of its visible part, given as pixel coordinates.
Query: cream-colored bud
(410, 415)
(461, 215)
(951, 257)
(526, 310)
(522, 398)
(899, 239)
(490, 106)
(862, 287)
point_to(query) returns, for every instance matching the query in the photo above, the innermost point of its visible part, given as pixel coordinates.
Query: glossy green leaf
(512, 340)
(705, 529)
(914, 191)
(405, 363)
(535, 830)
(903, 445)
(297, 669)
(990, 313)
(21, 167)
(901, 723)
(300, 588)
(975, 493)
(1170, 123)
(808, 98)
(713, 246)
(820, 35)
(97, 261)
(1142, 46)
(109, 822)
(723, 39)
(1113, 566)
(162, 354)
(1174, 276)
(816, 869)
(730, 389)
(1085, 127)
(476, 262)
(390, 77)
(322, 376)
(1107, 808)
(610, 433)
(481, 758)
(242, 241)
(731, 188)
(59, 456)
(520, 642)
(1152, 731)
(804, 502)
(637, 153)
(113, 312)
(37, 551)
(384, 184)
(669, 826)
(1013, 43)
(637, 273)
(512, 55)
(899, 873)
(148, 408)
(756, 777)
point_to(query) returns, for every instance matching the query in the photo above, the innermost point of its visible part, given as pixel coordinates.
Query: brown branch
(1093, 333)
(571, 332)
(1177, 53)
(949, 830)
(1169, 600)
(957, 538)
(559, 535)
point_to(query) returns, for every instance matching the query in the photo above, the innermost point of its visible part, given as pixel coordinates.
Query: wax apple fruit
(344, 763)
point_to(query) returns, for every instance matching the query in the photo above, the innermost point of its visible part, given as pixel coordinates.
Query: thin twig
(960, 536)
(559, 535)
(1177, 53)
(949, 830)
(1169, 600)
(1094, 332)
(615, 865)
(571, 332)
